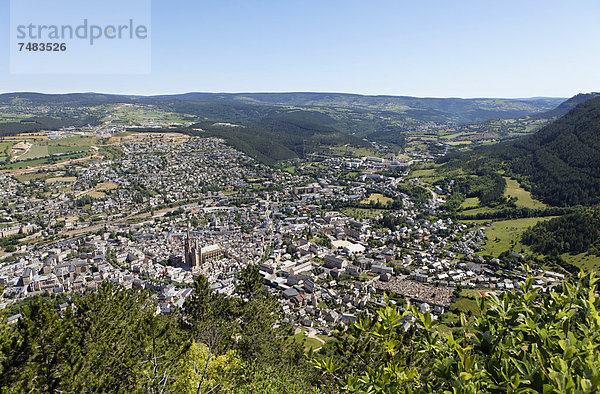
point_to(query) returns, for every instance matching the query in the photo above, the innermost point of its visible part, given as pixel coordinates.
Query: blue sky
(419, 48)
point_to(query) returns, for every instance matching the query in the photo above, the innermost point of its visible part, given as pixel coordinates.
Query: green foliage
(197, 368)
(108, 339)
(487, 186)
(578, 232)
(527, 341)
(113, 340)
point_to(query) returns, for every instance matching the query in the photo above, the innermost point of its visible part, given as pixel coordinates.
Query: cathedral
(195, 255)
(193, 251)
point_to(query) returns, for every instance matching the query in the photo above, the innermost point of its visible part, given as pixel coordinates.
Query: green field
(524, 199)
(423, 173)
(3, 148)
(478, 209)
(31, 176)
(25, 164)
(76, 141)
(506, 235)
(53, 149)
(309, 343)
(35, 152)
(351, 151)
(465, 305)
(377, 197)
(427, 175)
(41, 161)
(469, 203)
(583, 261)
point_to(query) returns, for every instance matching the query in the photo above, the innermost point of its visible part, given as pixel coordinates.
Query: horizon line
(291, 92)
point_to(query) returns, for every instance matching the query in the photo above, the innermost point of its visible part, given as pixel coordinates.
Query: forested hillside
(574, 233)
(560, 164)
(450, 109)
(38, 123)
(382, 118)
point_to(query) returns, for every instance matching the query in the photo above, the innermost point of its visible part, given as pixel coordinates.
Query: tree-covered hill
(578, 232)
(353, 114)
(566, 106)
(297, 123)
(450, 109)
(560, 163)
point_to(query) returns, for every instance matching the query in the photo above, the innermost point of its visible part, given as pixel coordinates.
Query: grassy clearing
(465, 305)
(478, 209)
(471, 202)
(25, 164)
(351, 151)
(361, 213)
(524, 199)
(377, 198)
(308, 343)
(4, 146)
(422, 173)
(584, 261)
(506, 235)
(28, 177)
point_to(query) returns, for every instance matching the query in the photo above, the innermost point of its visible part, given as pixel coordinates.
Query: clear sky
(446, 48)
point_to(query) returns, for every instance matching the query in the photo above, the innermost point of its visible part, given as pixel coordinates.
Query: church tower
(193, 252)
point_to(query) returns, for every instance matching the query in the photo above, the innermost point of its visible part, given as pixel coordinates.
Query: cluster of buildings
(187, 207)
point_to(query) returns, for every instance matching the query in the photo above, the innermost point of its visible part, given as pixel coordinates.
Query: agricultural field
(4, 150)
(55, 149)
(31, 176)
(35, 152)
(42, 150)
(423, 173)
(82, 141)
